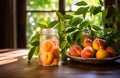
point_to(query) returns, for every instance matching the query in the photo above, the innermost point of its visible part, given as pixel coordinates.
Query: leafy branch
(71, 28)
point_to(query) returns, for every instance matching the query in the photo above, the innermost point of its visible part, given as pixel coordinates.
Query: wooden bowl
(93, 60)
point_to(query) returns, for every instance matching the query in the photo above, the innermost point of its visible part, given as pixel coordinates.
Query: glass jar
(49, 47)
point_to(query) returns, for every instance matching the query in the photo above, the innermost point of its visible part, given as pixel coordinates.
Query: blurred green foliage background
(36, 12)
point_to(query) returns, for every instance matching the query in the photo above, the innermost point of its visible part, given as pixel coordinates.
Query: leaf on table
(36, 52)
(31, 52)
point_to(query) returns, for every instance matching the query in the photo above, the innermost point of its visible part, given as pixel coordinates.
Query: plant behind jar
(71, 28)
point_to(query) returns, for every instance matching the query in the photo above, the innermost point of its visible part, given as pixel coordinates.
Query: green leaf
(76, 21)
(31, 52)
(91, 10)
(36, 52)
(43, 24)
(84, 24)
(58, 26)
(81, 10)
(101, 2)
(68, 38)
(116, 35)
(63, 26)
(34, 41)
(96, 10)
(109, 20)
(52, 24)
(59, 15)
(66, 16)
(96, 28)
(104, 14)
(108, 32)
(63, 44)
(81, 3)
(75, 35)
(70, 29)
(34, 37)
(118, 18)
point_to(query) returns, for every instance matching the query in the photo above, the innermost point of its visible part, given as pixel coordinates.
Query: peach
(54, 41)
(87, 52)
(98, 44)
(87, 42)
(47, 45)
(46, 58)
(55, 61)
(75, 50)
(111, 51)
(102, 53)
(87, 36)
(55, 51)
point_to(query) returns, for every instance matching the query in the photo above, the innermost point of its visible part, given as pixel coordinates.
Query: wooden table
(13, 64)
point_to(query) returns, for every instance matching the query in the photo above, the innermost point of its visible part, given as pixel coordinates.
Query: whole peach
(75, 50)
(102, 53)
(87, 52)
(87, 42)
(98, 44)
(111, 51)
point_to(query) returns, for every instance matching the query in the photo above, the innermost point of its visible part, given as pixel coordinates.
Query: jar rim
(51, 31)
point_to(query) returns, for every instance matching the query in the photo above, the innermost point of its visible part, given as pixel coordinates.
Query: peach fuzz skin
(75, 50)
(87, 52)
(102, 53)
(87, 42)
(111, 51)
(98, 44)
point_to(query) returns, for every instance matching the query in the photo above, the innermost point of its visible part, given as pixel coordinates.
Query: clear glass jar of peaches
(49, 47)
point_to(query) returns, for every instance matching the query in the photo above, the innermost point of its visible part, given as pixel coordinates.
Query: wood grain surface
(20, 68)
